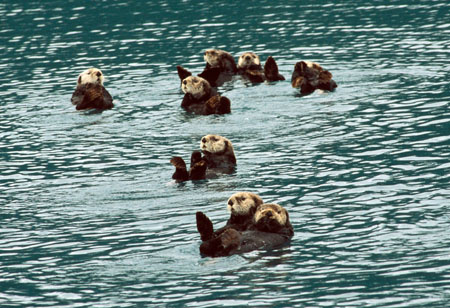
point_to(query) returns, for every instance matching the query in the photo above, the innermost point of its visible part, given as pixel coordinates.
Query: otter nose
(184, 82)
(203, 140)
(247, 58)
(269, 214)
(230, 202)
(99, 74)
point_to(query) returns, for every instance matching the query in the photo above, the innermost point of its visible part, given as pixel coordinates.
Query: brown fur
(90, 92)
(200, 98)
(219, 152)
(249, 66)
(309, 76)
(271, 217)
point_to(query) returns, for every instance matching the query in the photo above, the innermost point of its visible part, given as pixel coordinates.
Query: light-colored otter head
(196, 86)
(248, 59)
(271, 212)
(243, 203)
(213, 57)
(314, 65)
(91, 75)
(216, 144)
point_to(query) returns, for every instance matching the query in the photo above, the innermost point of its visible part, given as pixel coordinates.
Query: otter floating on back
(309, 76)
(220, 68)
(241, 205)
(201, 98)
(218, 157)
(249, 66)
(270, 228)
(90, 92)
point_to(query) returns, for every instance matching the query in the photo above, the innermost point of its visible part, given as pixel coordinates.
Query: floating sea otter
(241, 205)
(200, 98)
(90, 92)
(249, 66)
(269, 229)
(220, 67)
(218, 157)
(219, 153)
(309, 76)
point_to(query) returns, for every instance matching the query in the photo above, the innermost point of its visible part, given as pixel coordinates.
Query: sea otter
(220, 67)
(249, 66)
(241, 205)
(200, 98)
(219, 153)
(196, 172)
(218, 157)
(273, 218)
(220, 59)
(309, 76)
(270, 229)
(90, 92)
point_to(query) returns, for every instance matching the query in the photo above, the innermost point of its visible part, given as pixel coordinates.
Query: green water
(89, 215)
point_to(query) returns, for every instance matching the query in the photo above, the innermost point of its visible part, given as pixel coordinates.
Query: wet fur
(309, 76)
(201, 98)
(221, 159)
(242, 207)
(196, 172)
(219, 153)
(92, 96)
(249, 66)
(90, 92)
(270, 229)
(220, 68)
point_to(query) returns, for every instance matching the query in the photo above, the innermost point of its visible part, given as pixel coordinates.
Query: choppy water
(89, 214)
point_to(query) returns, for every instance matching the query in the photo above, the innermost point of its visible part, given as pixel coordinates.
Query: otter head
(215, 144)
(196, 86)
(212, 57)
(91, 75)
(243, 203)
(271, 217)
(248, 59)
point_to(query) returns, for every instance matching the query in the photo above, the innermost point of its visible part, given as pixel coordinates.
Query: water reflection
(91, 217)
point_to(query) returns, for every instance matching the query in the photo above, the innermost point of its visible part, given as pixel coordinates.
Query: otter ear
(227, 144)
(287, 216)
(257, 200)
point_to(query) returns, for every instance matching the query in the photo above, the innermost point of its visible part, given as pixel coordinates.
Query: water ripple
(91, 217)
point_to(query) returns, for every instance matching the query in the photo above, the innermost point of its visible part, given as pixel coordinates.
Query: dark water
(89, 214)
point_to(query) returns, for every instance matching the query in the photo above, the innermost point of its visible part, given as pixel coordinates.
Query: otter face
(248, 59)
(243, 203)
(196, 86)
(212, 57)
(91, 75)
(271, 215)
(214, 144)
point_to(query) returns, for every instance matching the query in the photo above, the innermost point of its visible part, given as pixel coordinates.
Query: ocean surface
(89, 214)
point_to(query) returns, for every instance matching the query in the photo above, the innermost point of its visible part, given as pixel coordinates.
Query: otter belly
(252, 240)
